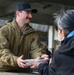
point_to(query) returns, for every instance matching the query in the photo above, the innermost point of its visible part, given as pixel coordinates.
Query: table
(11, 73)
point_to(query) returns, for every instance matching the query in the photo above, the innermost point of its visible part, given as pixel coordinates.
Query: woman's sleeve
(43, 69)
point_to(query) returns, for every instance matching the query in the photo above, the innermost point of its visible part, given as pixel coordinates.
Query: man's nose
(30, 15)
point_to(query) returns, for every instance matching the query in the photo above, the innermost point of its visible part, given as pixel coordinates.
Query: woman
(63, 58)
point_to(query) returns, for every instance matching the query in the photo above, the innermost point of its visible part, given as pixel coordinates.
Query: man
(19, 41)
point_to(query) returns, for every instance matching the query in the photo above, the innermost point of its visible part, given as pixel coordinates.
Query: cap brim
(33, 10)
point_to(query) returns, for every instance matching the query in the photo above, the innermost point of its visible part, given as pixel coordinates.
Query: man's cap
(25, 6)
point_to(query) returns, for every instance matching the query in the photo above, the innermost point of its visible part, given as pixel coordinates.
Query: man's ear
(17, 13)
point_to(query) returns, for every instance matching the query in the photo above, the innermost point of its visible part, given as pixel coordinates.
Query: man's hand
(21, 62)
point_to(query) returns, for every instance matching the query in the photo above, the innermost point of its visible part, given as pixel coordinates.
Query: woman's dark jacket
(63, 60)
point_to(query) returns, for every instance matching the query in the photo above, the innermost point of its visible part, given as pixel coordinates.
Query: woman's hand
(34, 65)
(45, 56)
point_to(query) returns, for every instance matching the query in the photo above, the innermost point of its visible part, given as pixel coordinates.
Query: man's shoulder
(6, 27)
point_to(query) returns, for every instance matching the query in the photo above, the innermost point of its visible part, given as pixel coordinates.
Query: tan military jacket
(14, 43)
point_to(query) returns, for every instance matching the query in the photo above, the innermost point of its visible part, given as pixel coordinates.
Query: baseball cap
(25, 6)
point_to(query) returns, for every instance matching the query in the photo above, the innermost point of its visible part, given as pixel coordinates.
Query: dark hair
(65, 20)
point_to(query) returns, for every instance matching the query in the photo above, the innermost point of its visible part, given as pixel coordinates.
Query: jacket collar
(26, 30)
(70, 34)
